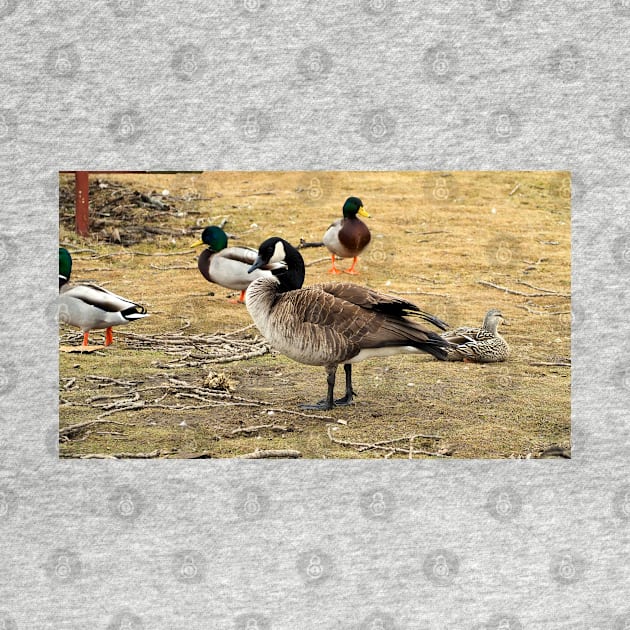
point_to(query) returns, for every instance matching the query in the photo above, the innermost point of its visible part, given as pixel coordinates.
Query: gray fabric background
(361, 84)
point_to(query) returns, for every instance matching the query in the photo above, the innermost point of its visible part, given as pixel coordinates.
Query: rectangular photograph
(321, 315)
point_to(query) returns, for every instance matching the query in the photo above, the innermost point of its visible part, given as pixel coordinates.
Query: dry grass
(433, 250)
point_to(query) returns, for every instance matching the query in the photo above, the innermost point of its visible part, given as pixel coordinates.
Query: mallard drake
(330, 324)
(227, 266)
(480, 345)
(349, 236)
(90, 307)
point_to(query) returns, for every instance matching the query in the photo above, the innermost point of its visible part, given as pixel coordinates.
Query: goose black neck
(292, 277)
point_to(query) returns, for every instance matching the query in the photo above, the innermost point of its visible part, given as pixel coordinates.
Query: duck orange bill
(363, 213)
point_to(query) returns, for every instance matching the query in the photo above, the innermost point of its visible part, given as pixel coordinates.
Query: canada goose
(349, 236)
(90, 307)
(329, 324)
(227, 266)
(480, 345)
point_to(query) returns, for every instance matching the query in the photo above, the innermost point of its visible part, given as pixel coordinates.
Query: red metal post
(82, 202)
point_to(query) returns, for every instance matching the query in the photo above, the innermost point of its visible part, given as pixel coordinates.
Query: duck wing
(103, 299)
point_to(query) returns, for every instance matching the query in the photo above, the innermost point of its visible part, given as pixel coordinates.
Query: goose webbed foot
(326, 404)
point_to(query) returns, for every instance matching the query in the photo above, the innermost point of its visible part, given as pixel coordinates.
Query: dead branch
(316, 261)
(392, 449)
(152, 455)
(552, 363)
(254, 429)
(444, 295)
(75, 428)
(513, 292)
(303, 244)
(271, 453)
(531, 286)
(514, 190)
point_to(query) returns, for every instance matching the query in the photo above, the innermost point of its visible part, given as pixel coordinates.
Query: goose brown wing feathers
(380, 302)
(348, 327)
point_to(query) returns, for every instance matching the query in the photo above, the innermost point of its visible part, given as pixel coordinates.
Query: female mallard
(480, 345)
(334, 323)
(349, 236)
(90, 307)
(227, 266)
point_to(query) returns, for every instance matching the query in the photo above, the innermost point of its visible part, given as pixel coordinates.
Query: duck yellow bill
(363, 212)
(196, 243)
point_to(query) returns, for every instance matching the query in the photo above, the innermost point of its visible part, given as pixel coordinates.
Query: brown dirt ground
(435, 236)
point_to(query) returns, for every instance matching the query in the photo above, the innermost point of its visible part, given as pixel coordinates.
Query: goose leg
(347, 399)
(329, 401)
(352, 270)
(86, 336)
(333, 269)
(109, 336)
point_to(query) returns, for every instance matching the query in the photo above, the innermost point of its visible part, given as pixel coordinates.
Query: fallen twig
(392, 449)
(552, 363)
(271, 453)
(513, 292)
